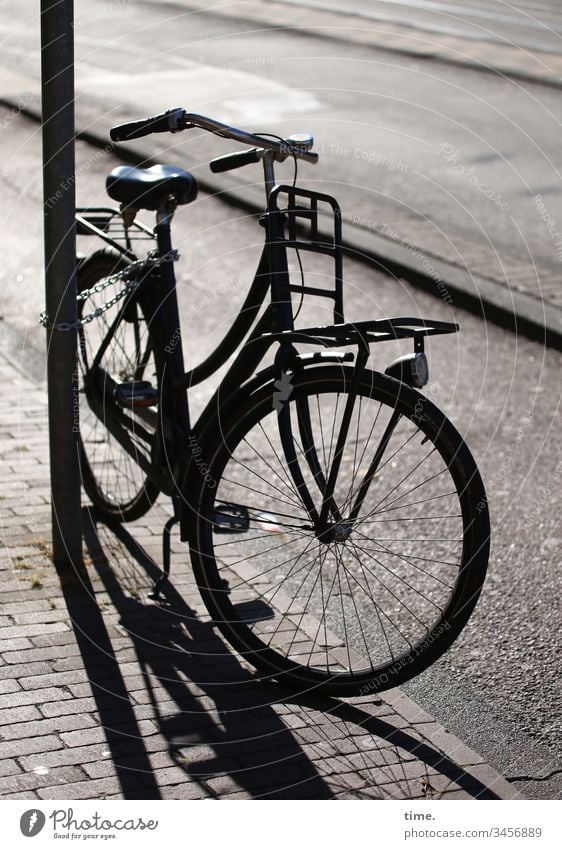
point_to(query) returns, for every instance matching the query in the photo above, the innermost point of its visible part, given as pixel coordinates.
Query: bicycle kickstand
(166, 541)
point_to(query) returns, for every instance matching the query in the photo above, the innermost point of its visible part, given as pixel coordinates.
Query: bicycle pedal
(136, 393)
(230, 519)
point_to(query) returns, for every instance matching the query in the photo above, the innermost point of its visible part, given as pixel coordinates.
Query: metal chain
(76, 325)
(143, 265)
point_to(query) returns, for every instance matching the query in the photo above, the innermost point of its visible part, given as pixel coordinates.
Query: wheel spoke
(343, 603)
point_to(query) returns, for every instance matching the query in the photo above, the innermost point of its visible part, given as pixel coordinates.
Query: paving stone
(41, 617)
(54, 679)
(17, 748)
(309, 734)
(15, 670)
(10, 716)
(31, 780)
(242, 795)
(223, 785)
(61, 638)
(289, 785)
(39, 696)
(453, 795)
(29, 794)
(202, 761)
(45, 726)
(294, 721)
(83, 789)
(341, 745)
(32, 655)
(185, 790)
(65, 757)
(86, 737)
(67, 664)
(8, 766)
(107, 767)
(71, 706)
(9, 685)
(344, 781)
(13, 644)
(134, 763)
(170, 775)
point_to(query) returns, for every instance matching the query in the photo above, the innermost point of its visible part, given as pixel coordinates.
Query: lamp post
(57, 81)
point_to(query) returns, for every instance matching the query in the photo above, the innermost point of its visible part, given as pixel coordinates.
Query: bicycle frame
(297, 460)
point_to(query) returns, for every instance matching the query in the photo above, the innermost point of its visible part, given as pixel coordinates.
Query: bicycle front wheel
(374, 603)
(111, 475)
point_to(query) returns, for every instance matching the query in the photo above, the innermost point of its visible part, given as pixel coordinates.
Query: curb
(510, 309)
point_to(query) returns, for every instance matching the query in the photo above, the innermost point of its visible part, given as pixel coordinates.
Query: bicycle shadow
(220, 721)
(200, 696)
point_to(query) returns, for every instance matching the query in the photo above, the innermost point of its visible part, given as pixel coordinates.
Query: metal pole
(57, 73)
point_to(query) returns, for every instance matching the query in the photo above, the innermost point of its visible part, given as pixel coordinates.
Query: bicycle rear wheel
(115, 483)
(361, 611)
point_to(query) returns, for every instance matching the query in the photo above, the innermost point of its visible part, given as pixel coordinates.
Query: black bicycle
(337, 522)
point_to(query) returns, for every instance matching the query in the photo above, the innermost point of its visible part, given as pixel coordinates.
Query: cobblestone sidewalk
(105, 694)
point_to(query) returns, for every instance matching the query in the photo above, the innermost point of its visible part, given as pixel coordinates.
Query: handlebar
(234, 160)
(177, 119)
(167, 122)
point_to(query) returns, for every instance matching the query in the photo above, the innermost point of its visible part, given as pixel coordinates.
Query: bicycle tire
(243, 594)
(116, 485)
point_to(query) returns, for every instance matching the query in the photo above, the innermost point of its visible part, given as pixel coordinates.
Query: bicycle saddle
(148, 188)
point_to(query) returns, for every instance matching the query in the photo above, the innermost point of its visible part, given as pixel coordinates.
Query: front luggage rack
(107, 223)
(294, 215)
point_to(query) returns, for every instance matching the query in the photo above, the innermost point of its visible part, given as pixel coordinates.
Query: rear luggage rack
(382, 330)
(107, 223)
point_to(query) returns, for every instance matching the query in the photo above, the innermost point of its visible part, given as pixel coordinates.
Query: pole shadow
(113, 704)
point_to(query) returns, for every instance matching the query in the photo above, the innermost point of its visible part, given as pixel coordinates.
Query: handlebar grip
(167, 122)
(234, 160)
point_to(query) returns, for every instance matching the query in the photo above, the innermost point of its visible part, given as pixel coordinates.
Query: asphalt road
(535, 25)
(497, 687)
